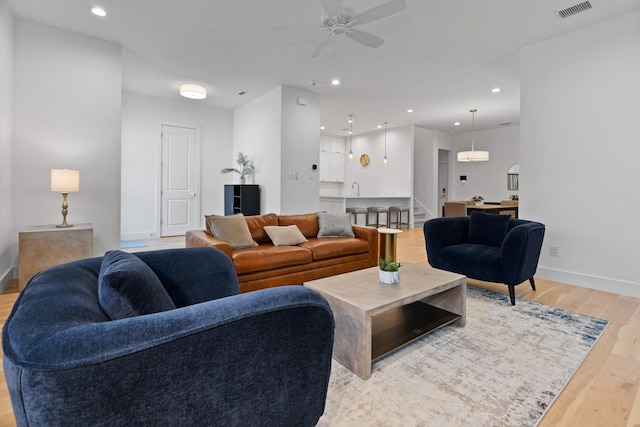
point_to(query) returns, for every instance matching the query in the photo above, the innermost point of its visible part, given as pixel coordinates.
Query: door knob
(192, 194)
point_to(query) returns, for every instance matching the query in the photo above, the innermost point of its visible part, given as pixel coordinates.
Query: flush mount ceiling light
(473, 156)
(496, 90)
(98, 11)
(193, 91)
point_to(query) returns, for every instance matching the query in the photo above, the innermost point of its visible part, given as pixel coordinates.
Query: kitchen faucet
(358, 190)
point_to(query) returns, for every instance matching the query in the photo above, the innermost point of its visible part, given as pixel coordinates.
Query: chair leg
(533, 284)
(512, 294)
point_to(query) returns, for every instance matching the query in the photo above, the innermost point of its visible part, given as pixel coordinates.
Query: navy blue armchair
(205, 356)
(493, 248)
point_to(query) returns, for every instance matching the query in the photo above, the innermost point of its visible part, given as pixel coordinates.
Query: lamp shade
(65, 180)
(193, 91)
(473, 156)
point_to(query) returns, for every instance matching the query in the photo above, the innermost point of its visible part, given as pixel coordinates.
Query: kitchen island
(338, 203)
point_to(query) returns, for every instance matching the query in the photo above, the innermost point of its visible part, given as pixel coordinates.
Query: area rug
(130, 244)
(504, 368)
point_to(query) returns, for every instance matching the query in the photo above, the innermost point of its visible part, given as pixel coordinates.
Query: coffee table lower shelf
(401, 326)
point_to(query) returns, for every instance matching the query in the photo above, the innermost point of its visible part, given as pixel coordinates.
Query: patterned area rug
(504, 368)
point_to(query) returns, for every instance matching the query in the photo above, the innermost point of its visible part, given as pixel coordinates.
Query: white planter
(389, 277)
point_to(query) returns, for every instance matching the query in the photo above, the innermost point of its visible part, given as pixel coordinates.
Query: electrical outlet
(554, 250)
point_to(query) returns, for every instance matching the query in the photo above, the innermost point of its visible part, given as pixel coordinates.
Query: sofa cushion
(127, 287)
(307, 223)
(331, 225)
(256, 226)
(288, 235)
(232, 229)
(336, 247)
(269, 257)
(487, 229)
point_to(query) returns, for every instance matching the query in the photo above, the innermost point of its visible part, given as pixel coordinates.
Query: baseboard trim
(606, 284)
(139, 236)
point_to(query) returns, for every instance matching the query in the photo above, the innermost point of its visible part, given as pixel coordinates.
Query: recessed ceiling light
(335, 82)
(456, 124)
(379, 126)
(495, 90)
(321, 127)
(98, 11)
(410, 110)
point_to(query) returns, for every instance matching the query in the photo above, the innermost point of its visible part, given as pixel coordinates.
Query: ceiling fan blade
(321, 46)
(365, 38)
(332, 8)
(381, 11)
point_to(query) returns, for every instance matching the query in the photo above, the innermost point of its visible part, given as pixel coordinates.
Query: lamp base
(64, 225)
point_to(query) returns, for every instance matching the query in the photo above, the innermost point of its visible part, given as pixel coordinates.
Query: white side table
(43, 246)
(388, 242)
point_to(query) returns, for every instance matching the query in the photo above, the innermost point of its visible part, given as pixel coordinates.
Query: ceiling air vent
(575, 9)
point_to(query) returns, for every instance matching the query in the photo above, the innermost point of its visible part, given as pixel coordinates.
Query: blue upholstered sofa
(494, 248)
(206, 356)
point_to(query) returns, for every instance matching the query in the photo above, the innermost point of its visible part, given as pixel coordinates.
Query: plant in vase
(246, 168)
(513, 197)
(478, 200)
(389, 271)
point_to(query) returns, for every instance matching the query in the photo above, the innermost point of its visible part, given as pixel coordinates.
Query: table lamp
(65, 181)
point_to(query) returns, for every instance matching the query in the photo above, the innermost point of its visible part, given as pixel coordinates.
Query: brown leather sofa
(266, 265)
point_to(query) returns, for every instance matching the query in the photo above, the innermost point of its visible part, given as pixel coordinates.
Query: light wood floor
(604, 392)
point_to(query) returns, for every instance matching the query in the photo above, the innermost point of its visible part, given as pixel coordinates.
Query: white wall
(66, 113)
(142, 116)
(486, 179)
(300, 150)
(256, 132)
(8, 250)
(579, 153)
(377, 179)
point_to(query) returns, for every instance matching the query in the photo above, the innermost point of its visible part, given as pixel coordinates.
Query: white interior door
(180, 184)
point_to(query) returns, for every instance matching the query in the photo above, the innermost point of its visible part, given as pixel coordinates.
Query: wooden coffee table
(374, 319)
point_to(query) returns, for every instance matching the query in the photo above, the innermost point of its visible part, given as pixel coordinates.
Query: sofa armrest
(371, 235)
(208, 355)
(520, 252)
(200, 238)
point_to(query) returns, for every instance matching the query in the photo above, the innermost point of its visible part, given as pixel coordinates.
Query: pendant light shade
(473, 155)
(384, 161)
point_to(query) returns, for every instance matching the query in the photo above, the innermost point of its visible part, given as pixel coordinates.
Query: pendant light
(350, 133)
(384, 161)
(473, 155)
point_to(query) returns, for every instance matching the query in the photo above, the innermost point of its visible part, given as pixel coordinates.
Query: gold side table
(388, 242)
(43, 246)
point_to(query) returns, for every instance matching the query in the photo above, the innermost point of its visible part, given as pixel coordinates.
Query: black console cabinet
(243, 199)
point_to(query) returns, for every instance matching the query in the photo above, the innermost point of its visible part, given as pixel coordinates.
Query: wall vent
(575, 9)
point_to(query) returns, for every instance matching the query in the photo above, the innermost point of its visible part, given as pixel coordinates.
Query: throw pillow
(487, 229)
(289, 235)
(232, 229)
(127, 287)
(334, 225)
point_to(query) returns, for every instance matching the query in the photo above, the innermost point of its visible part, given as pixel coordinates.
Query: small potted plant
(513, 197)
(478, 200)
(389, 271)
(246, 168)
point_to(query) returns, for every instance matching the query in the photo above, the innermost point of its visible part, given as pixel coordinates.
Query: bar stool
(378, 210)
(395, 212)
(355, 212)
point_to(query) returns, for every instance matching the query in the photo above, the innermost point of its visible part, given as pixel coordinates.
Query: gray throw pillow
(285, 235)
(127, 287)
(334, 225)
(232, 229)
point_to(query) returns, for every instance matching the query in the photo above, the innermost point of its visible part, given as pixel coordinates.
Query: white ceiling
(440, 57)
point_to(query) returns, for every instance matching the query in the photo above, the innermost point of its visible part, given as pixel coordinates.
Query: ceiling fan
(340, 20)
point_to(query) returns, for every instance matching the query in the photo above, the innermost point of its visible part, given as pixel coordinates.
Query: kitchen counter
(338, 203)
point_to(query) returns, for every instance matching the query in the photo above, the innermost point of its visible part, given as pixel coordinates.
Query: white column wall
(8, 252)
(257, 130)
(579, 152)
(142, 116)
(66, 113)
